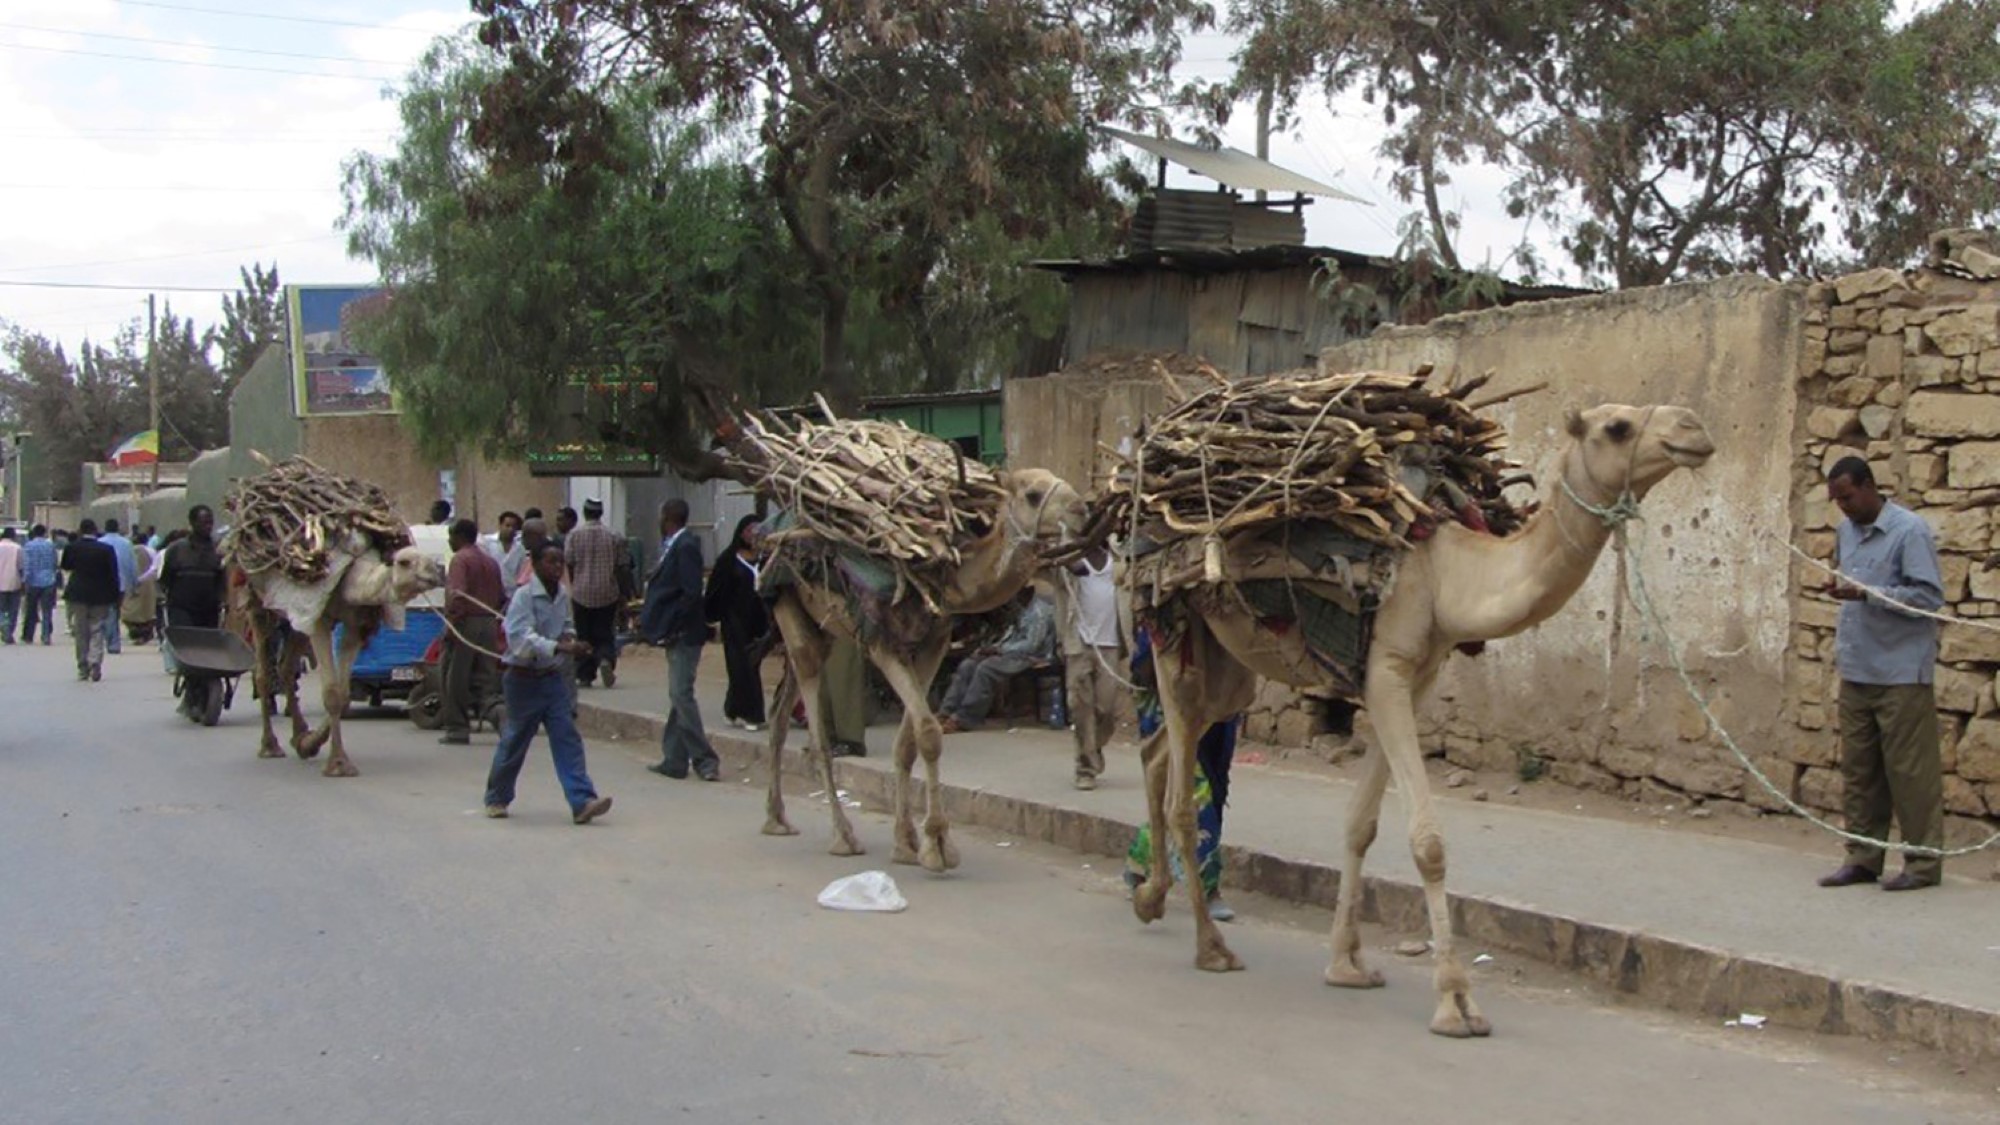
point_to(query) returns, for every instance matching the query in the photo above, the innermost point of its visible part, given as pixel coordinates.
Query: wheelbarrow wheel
(426, 705)
(211, 704)
(495, 715)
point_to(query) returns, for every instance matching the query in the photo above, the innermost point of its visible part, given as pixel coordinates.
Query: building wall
(1244, 322)
(261, 419)
(373, 447)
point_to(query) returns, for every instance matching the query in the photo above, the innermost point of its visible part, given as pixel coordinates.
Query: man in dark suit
(673, 615)
(91, 593)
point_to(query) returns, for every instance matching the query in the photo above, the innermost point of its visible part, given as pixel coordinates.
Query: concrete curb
(1665, 972)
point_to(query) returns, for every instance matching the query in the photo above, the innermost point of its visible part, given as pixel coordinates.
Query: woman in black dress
(733, 603)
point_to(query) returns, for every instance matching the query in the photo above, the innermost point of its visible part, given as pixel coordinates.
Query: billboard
(331, 373)
(588, 407)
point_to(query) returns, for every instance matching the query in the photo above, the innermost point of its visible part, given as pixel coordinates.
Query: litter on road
(870, 891)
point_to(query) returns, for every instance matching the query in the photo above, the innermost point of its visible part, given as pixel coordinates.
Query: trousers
(467, 673)
(1094, 704)
(1890, 766)
(535, 702)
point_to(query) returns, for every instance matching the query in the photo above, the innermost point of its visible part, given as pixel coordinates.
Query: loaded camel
(834, 579)
(310, 551)
(1459, 587)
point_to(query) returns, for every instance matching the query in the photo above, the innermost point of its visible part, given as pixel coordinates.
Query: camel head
(1633, 448)
(1041, 506)
(371, 581)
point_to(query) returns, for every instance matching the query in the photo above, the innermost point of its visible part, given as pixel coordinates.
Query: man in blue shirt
(39, 572)
(539, 634)
(976, 685)
(1889, 760)
(128, 577)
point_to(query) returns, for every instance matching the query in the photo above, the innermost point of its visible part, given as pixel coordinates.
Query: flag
(142, 448)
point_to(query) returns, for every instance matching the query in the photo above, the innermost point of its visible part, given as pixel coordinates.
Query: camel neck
(1560, 545)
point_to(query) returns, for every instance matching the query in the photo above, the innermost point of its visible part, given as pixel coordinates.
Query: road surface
(191, 934)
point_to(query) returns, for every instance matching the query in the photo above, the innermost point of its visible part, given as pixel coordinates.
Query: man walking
(539, 634)
(1889, 760)
(673, 615)
(10, 584)
(1087, 621)
(193, 582)
(128, 580)
(472, 597)
(90, 595)
(509, 552)
(593, 584)
(39, 577)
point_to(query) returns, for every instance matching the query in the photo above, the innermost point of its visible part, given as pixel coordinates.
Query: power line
(203, 65)
(240, 14)
(125, 288)
(186, 45)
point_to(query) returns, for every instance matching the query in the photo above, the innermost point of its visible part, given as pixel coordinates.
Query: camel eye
(1619, 430)
(1035, 497)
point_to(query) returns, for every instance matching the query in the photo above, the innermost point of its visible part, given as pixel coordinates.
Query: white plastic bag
(870, 891)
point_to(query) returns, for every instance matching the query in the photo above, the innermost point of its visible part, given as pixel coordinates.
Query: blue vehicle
(392, 663)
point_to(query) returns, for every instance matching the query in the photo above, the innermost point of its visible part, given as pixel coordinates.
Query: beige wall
(373, 447)
(1590, 690)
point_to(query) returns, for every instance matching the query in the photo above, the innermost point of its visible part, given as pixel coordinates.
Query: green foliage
(253, 318)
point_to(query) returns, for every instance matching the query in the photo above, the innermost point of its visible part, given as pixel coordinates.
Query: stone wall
(1904, 369)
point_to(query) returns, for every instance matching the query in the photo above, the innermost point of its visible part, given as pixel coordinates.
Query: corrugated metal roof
(1232, 167)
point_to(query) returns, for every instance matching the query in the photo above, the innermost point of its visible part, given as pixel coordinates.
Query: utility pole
(1263, 129)
(153, 379)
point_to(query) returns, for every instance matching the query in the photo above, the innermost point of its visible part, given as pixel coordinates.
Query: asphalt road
(191, 934)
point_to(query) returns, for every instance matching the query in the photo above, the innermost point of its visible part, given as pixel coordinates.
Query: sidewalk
(1686, 921)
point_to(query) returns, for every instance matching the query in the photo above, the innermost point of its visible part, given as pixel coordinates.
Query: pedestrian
(592, 551)
(91, 595)
(508, 551)
(565, 523)
(976, 684)
(1213, 756)
(440, 512)
(733, 604)
(141, 607)
(40, 577)
(534, 533)
(539, 635)
(128, 577)
(1887, 658)
(193, 583)
(1092, 650)
(673, 616)
(472, 601)
(10, 584)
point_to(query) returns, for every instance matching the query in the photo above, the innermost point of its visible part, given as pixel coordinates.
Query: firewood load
(898, 507)
(303, 523)
(1291, 497)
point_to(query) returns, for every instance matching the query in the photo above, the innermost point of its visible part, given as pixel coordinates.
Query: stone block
(1960, 690)
(1866, 283)
(1848, 341)
(1973, 464)
(1811, 716)
(1782, 774)
(1818, 544)
(1959, 531)
(1932, 370)
(1819, 613)
(1876, 420)
(1964, 644)
(1680, 769)
(1942, 414)
(1625, 761)
(1835, 452)
(1294, 727)
(1956, 570)
(1856, 390)
(1810, 748)
(1818, 789)
(1951, 731)
(1989, 363)
(1927, 470)
(1892, 394)
(1832, 423)
(1979, 751)
(1880, 453)
(1842, 316)
(1983, 584)
(1963, 797)
(1583, 775)
(1842, 366)
(1892, 322)
(1968, 331)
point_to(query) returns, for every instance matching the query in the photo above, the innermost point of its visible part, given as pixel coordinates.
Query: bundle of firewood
(289, 518)
(907, 498)
(1370, 454)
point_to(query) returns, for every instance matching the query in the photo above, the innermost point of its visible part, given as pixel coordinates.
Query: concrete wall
(1592, 691)
(260, 415)
(209, 480)
(373, 447)
(1058, 422)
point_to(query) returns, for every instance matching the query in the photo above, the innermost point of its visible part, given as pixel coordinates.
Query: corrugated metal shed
(1232, 166)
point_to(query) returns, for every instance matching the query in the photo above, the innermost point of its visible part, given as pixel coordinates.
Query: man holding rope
(1889, 760)
(473, 594)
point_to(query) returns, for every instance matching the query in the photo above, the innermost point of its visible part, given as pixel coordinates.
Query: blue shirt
(535, 622)
(38, 564)
(128, 563)
(1877, 643)
(1033, 634)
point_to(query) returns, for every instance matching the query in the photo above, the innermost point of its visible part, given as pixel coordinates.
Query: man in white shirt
(1093, 650)
(509, 551)
(10, 584)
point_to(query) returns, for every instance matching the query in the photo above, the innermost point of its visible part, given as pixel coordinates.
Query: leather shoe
(848, 750)
(1848, 875)
(661, 769)
(1904, 881)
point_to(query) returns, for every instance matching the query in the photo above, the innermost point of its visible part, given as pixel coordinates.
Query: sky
(166, 143)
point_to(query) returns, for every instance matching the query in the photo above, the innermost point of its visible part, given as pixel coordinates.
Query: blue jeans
(534, 702)
(684, 742)
(39, 604)
(10, 606)
(112, 641)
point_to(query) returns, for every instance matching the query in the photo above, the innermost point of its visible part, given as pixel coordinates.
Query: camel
(1459, 587)
(1041, 509)
(363, 595)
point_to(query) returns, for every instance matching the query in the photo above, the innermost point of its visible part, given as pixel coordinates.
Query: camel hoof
(950, 852)
(847, 847)
(339, 767)
(904, 854)
(1457, 1019)
(1218, 960)
(1148, 904)
(310, 746)
(1353, 976)
(933, 859)
(270, 750)
(779, 828)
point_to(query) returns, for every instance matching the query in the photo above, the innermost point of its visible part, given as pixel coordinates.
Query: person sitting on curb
(977, 682)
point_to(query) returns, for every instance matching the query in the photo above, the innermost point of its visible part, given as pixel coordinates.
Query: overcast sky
(155, 144)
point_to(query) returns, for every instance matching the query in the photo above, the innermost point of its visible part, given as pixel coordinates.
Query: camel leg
(919, 734)
(293, 656)
(333, 693)
(1391, 696)
(1149, 899)
(1182, 683)
(775, 823)
(264, 677)
(805, 647)
(1363, 814)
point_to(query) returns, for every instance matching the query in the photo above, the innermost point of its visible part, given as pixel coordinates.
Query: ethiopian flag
(142, 448)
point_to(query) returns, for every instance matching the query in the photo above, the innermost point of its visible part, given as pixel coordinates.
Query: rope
(1617, 516)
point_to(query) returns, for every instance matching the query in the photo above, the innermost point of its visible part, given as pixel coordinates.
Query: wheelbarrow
(206, 663)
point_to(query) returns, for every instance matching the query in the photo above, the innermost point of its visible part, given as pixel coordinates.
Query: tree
(194, 395)
(887, 136)
(253, 318)
(1668, 138)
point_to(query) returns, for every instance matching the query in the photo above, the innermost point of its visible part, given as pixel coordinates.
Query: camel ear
(1573, 422)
